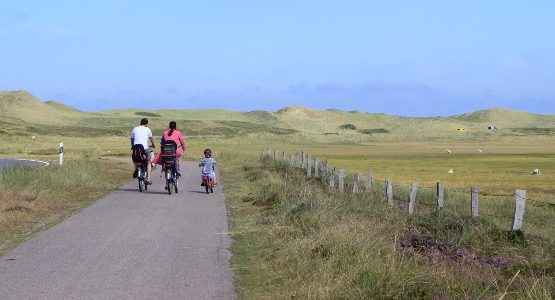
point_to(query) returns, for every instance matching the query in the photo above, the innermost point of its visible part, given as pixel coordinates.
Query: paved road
(6, 163)
(129, 245)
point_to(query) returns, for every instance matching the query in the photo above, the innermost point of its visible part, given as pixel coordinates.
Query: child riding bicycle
(207, 164)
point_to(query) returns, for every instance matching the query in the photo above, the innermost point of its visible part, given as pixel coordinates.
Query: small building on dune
(461, 129)
(492, 127)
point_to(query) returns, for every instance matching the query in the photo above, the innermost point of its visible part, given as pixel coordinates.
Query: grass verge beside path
(294, 239)
(34, 199)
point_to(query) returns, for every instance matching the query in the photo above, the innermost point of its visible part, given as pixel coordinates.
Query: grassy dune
(298, 238)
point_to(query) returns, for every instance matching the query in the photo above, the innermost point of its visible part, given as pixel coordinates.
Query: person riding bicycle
(172, 134)
(207, 164)
(140, 136)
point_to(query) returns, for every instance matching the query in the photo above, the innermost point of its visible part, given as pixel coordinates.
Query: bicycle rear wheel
(141, 184)
(168, 182)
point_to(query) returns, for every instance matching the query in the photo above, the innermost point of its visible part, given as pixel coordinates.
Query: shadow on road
(198, 192)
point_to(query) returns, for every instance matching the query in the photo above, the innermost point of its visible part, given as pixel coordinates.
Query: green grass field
(310, 243)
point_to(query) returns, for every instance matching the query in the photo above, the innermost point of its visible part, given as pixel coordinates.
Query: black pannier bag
(139, 153)
(169, 151)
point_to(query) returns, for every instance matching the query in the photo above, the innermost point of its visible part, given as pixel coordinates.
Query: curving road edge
(8, 163)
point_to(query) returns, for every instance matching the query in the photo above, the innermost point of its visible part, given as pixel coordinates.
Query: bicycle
(141, 176)
(208, 183)
(172, 177)
(140, 160)
(170, 166)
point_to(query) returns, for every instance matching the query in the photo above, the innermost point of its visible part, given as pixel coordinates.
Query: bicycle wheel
(168, 182)
(176, 185)
(140, 185)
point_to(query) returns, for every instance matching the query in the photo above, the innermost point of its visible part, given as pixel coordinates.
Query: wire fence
(499, 207)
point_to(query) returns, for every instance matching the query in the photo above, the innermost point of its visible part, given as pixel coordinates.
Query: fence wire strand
(376, 186)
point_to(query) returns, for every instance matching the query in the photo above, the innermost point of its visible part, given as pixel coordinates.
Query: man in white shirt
(140, 135)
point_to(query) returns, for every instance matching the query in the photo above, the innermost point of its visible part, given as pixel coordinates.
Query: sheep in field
(536, 172)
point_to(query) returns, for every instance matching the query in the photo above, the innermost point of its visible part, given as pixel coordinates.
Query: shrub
(147, 114)
(348, 127)
(374, 130)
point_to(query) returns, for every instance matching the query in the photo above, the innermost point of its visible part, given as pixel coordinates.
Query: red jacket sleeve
(182, 141)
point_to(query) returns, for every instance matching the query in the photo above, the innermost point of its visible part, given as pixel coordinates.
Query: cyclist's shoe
(202, 183)
(135, 174)
(148, 181)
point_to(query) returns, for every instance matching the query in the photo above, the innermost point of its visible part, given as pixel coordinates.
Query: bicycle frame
(172, 177)
(141, 174)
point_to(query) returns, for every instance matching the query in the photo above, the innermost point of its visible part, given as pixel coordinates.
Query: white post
(368, 183)
(520, 204)
(61, 151)
(356, 183)
(440, 191)
(341, 180)
(412, 197)
(474, 195)
(389, 191)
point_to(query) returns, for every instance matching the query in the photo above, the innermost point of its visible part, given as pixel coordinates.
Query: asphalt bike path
(130, 245)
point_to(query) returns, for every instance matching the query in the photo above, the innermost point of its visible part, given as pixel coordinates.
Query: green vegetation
(348, 126)
(147, 114)
(295, 239)
(33, 199)
(374, 130)
(534, 131)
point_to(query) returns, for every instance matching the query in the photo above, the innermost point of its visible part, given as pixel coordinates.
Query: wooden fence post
(276, 153)
(341, 180)
(368, 182)
(324, 168)
(309, 166)
(520, 204)
(440, 192)
(474, 195)
(356, 183)
(292, 160)
(332, 177)
(303, 161)
(389, 191)
(316, 166)
(283, 155)
(412, 197)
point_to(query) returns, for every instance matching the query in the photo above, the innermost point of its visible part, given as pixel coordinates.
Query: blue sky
(401, 57)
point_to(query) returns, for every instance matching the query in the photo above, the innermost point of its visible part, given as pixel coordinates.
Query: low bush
(348, 127)
(374, 130)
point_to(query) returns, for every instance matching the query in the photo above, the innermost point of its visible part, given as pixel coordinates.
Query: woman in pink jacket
(172, 134)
